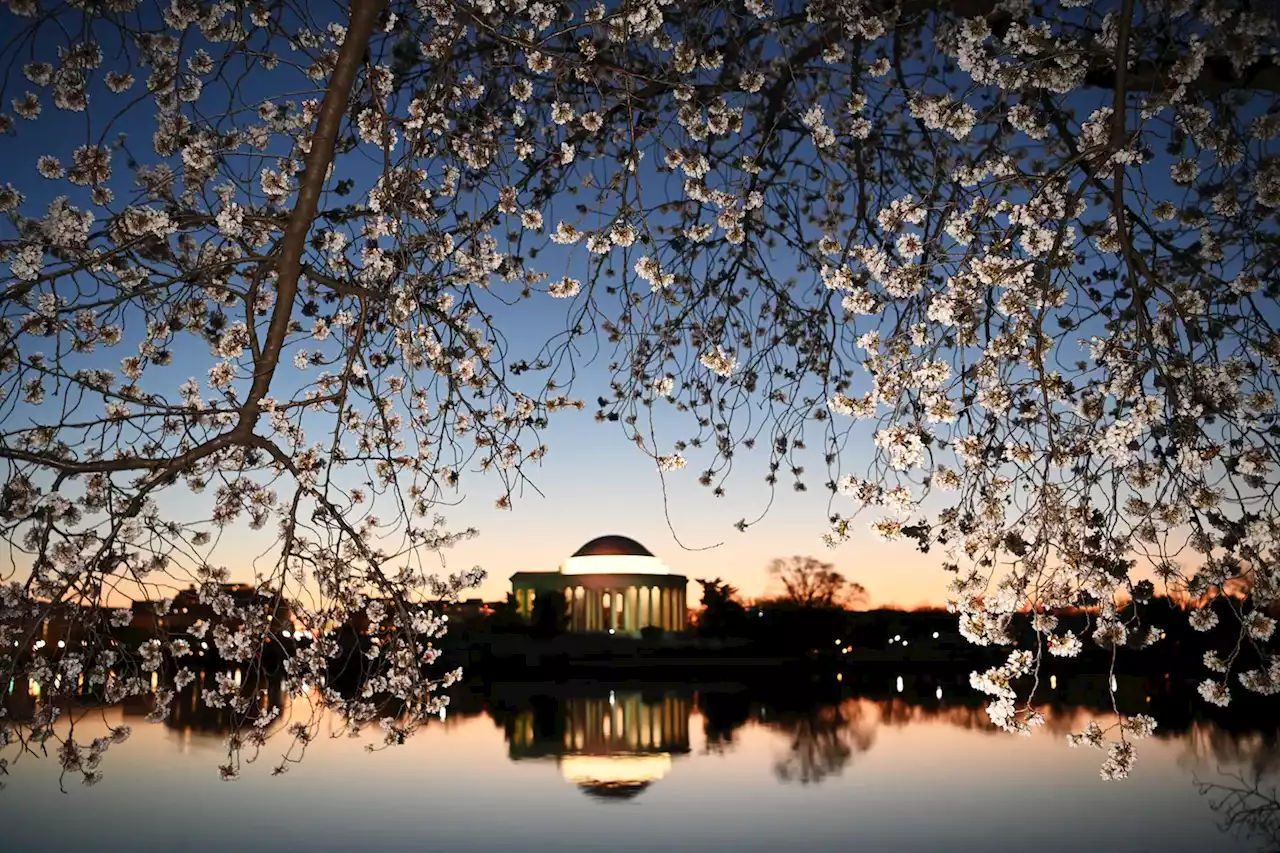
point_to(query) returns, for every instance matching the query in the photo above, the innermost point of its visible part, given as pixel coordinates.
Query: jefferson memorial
(611, 584)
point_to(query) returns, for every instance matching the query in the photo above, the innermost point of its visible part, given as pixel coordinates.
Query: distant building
(186, 610)
(612, 583)
(471, 614)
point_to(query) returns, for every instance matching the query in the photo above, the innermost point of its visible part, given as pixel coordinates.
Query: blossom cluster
(1016, 261)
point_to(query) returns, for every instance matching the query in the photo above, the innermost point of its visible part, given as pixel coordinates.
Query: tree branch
(364, 13)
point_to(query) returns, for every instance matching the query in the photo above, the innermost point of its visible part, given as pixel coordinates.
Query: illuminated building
(610, 748)
(612, 584)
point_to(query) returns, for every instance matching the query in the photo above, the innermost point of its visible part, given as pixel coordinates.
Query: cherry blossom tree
(264, 265)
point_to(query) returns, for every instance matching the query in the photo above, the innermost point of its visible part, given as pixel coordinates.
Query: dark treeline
(811, 624)
(828, 634)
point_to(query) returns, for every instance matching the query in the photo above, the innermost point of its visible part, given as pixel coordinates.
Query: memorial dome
(613, 555)
(613, 546)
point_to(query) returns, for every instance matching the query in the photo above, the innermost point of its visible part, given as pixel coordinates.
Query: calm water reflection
(875, 765)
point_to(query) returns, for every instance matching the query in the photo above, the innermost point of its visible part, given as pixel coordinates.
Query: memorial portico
(611, 584)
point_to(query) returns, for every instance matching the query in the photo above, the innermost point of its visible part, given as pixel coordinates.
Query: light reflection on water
(639, 767)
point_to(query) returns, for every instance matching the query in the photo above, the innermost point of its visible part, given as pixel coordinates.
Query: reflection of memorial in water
(611, 747)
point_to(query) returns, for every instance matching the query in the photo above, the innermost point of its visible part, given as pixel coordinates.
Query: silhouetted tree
(1246, 808)
(550, 616)
(506, 616)
(811, 583)
(723, 713)
(823, 742)
(722, 614)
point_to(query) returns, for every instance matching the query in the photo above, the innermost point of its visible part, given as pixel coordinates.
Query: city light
(935, 635)
(899, 683)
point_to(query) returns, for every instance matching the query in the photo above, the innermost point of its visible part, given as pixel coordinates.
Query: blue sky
(593, 481)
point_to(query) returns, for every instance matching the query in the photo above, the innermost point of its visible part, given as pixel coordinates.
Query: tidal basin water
(866, 763)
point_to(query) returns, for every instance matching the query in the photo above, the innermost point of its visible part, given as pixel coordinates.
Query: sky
(593, 481)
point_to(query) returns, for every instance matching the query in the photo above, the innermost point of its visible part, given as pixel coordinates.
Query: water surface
(654, 767)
